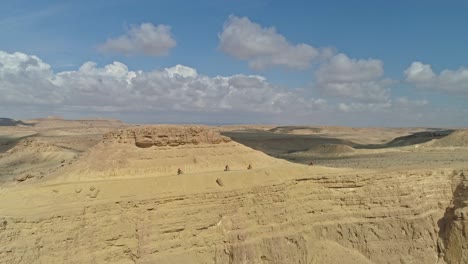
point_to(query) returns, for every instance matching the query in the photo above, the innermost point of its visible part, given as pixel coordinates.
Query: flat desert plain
(102, 191)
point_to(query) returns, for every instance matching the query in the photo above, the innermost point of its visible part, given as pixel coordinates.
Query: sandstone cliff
(123, 202)
(161, 136)
(154, 151)
(453, 244)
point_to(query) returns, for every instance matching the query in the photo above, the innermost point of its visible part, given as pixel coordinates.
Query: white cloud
(182, 71)
(30, 88)
(352, 78)
(422, 75)
(264, 47)
(146, 39)
(341, 68)
(26, 80)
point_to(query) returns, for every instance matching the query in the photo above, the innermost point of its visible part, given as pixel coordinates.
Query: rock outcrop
(453, 244)
(268, 216)
(124, 201)
(160, 136)
(162, 150)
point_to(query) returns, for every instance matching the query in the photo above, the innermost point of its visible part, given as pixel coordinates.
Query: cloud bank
(26, 79)
(181, 94)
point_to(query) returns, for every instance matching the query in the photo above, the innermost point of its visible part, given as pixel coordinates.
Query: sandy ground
(68, 194)
(374, 148)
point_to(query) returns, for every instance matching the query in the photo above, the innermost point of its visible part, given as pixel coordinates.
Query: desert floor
(102, 191)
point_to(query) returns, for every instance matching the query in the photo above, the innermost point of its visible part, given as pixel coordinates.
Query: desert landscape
(233, 132)
(103, 191)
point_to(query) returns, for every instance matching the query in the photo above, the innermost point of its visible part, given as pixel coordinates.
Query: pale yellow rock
(122, 201)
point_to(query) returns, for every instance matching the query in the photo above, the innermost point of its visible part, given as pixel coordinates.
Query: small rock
(23, 177)
(219, 182)
(3, 224)
(93, 192)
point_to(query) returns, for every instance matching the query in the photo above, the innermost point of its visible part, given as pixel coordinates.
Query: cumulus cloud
(181, 94)
(146, 39)
(264, 47)
(422, 75)
(361, 79)
(182, 71)
(26, 80)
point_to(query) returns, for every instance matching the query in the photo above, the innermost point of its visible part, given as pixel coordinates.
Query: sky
(353, 63)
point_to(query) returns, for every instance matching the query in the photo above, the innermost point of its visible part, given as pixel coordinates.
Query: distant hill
(11, 122)
(415, 138)
(456, 139)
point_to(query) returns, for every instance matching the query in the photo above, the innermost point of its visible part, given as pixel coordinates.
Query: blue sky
(381, 37)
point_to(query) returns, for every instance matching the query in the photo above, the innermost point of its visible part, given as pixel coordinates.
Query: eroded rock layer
(123, 201)
(264, 217)
(156, 151)
(453, 244)
(160, 136)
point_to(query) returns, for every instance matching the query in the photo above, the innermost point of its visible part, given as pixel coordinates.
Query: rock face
(264, 217)
(153, 151)
(161, 136)
(453, 233)
(123, 201)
